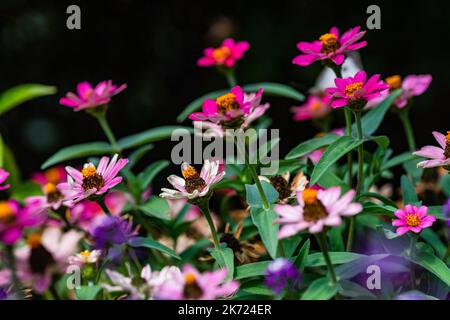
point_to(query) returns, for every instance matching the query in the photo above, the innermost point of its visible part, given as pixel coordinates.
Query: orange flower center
(49, 188)
(85, 254)
(316, 106)
(314, 209)
(193, 181)
(352, 88)
(191, 288)
(394, 82)
(412, 219)
(329, 43)
(52, 175)
(221, 54)
(34, 240)
(6, 212)
(189, 172)
(52, 192)
(309, 196)
(227, 103)
(91, 179)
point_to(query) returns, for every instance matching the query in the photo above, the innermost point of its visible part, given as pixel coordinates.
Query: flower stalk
(323, 247)
(412, 254)
(203, 204)
(406, 122)
(100, 114)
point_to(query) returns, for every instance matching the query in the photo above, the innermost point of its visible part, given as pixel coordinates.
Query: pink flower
(53, 175)
(412, 218)
(177, 206)
(84, 257)
(50, 251)
(91, 181)
(330, 47)
(14, 219)
(226, 55)
(232, 110)
(52, 198)
(315, 210)
(193, 185)
(438, 157)
(356, 91)
(192, 285)
(89, 97)
(413, 85)
(314, 107)
(3, 176)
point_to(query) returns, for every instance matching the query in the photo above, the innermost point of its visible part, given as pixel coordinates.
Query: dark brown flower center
(314, 210)
(193, 181)
(231, 242)
(282, 186)
(447, 145)
(40, 259)
(52, 193)
(91, 179)
(329, 43)
(191, 288)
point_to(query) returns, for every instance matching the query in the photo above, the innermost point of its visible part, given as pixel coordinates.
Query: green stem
(406, 122)
(323, 247)
(351, 234)
(231, 78)
(205, 210)
(348, 125)
(412, 253)
(105, 209)
(447, 254)
(101, 118)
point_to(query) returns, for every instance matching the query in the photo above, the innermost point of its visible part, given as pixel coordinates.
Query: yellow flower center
(394, 82)
(412, 219)
(190, 278)
(85, 254)
(34, 240)
(189, 172)
(309, 196)
(221, 54)
(52, 175)
(91, 179)
(316, 106)
(191, 288)
(227, 103)
(329, 43)
(50, 188)
(6, 212)
(352, 88)
(89, 172)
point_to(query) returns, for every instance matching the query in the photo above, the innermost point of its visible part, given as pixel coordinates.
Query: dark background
(153, 46)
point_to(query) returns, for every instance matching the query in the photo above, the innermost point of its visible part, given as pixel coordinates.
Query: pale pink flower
(192, 285)
(356, 91)
(3, 176)
(91, 180)
(90, 97)
(52, 199)
(315, 210)
(225, 55)
(438, 156)
(193, 185)
(412, 218)
(85, 257)
(330, 46)
(315, 107)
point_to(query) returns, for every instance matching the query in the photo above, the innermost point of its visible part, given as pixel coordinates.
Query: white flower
(85, 257)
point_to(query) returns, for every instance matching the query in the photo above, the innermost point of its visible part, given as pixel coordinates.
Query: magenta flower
(412, 218)
(91, 181)
(356, 91)
(232, 110)
(14, 219)
(314, 107)
(192, 285)
(52, 198)
(89, 97)
(3, 176)
(315, 210)
(438, 156)
(53, 175)
(225, 55)
(330, 46)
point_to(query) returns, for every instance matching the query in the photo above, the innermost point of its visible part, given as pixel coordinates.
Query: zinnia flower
(3, 176)
(356, 91)
(91, 181)
(14, 219)
(281, 274)
(192, 285)
(412, 218)
(438, 156)
(315, 107)
(53, 175)
(85, 257)
(111, 231)
(232, 110)
(315, 210)
(89, 97)
(52, 198)
(194, 185)
(330, 46)
(225, 55)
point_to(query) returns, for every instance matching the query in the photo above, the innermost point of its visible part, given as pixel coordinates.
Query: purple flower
(110, 231)
(281, 274)
(3, 294)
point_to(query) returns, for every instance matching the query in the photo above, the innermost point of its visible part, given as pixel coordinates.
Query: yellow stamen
(227, 102)
(49, 188)
(85, 254)
(394, 82)
(190, 278)
(221, 54)
(189, 172)
(412, 219)
(329, 43)
(34, 240)
(352, 88)
(6, 212)
(447, 137)
(309, 196)
(89, 171)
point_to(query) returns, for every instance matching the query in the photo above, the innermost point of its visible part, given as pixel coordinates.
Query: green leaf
(257, 288)
(409, 192)
(382, 141)
(445, 184)
(10, 165)
(317, 260)
(311, 145)
(372, 119)
(433, 239)
(275, 89)
(87, 292)
(251, 270)
(25, 190)
(353, 290)
(331, 180)
(332, 154)
(152, 244)
(398, 160)
(193, 250)
(302, 257)
(379, 197)
(137, 155)
(78, 151)
(22, 93)
(289, 245)
(320, 289)
(225, 259)
(146, 177)
(432, 264)
(150, 135)
(253, 197)
(264, 220)
(156, 207)
(336, 236)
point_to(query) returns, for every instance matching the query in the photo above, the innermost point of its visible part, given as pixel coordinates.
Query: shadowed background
(153, 47)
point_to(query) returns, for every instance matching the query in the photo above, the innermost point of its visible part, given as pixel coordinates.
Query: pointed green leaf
(151, 244)
(146, 177)
(225, 259)
(22, 93)
(148, 136)
(156, 207)
(275, 89)
(320, 289)
(264, 220)
(311, 145)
